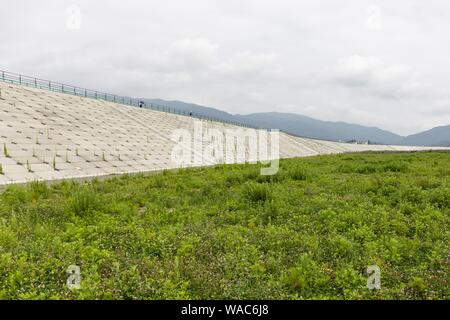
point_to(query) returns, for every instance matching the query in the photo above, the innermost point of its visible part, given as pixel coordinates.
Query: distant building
(356, 141)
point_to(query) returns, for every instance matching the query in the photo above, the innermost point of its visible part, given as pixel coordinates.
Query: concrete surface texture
(46, 135)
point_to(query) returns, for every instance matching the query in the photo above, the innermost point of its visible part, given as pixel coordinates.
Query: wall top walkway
(38, 83)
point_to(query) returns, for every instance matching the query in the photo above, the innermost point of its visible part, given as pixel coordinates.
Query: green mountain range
(312, 128)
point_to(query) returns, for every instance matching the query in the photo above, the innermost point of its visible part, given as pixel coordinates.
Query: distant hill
(194, 108)
(312, 128)
(439, 136)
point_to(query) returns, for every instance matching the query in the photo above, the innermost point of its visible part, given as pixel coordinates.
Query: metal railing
(28, 81)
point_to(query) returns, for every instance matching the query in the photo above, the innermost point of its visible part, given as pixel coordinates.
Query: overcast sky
(376, 63)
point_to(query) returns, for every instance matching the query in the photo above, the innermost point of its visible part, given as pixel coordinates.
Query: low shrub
(298, 173)
(39, 190)
(256, 192)
(84, 201)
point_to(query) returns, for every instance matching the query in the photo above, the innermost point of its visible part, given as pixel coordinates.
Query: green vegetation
(5, 151)
(309, 232)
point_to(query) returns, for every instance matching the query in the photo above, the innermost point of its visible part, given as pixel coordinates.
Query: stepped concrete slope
(46, 135)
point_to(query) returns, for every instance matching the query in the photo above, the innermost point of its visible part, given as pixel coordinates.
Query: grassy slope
(227, 232)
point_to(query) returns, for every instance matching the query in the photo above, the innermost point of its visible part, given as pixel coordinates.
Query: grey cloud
(382, 63)
(375, 77)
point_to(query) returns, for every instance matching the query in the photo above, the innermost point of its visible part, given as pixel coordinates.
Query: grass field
(309, 232)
